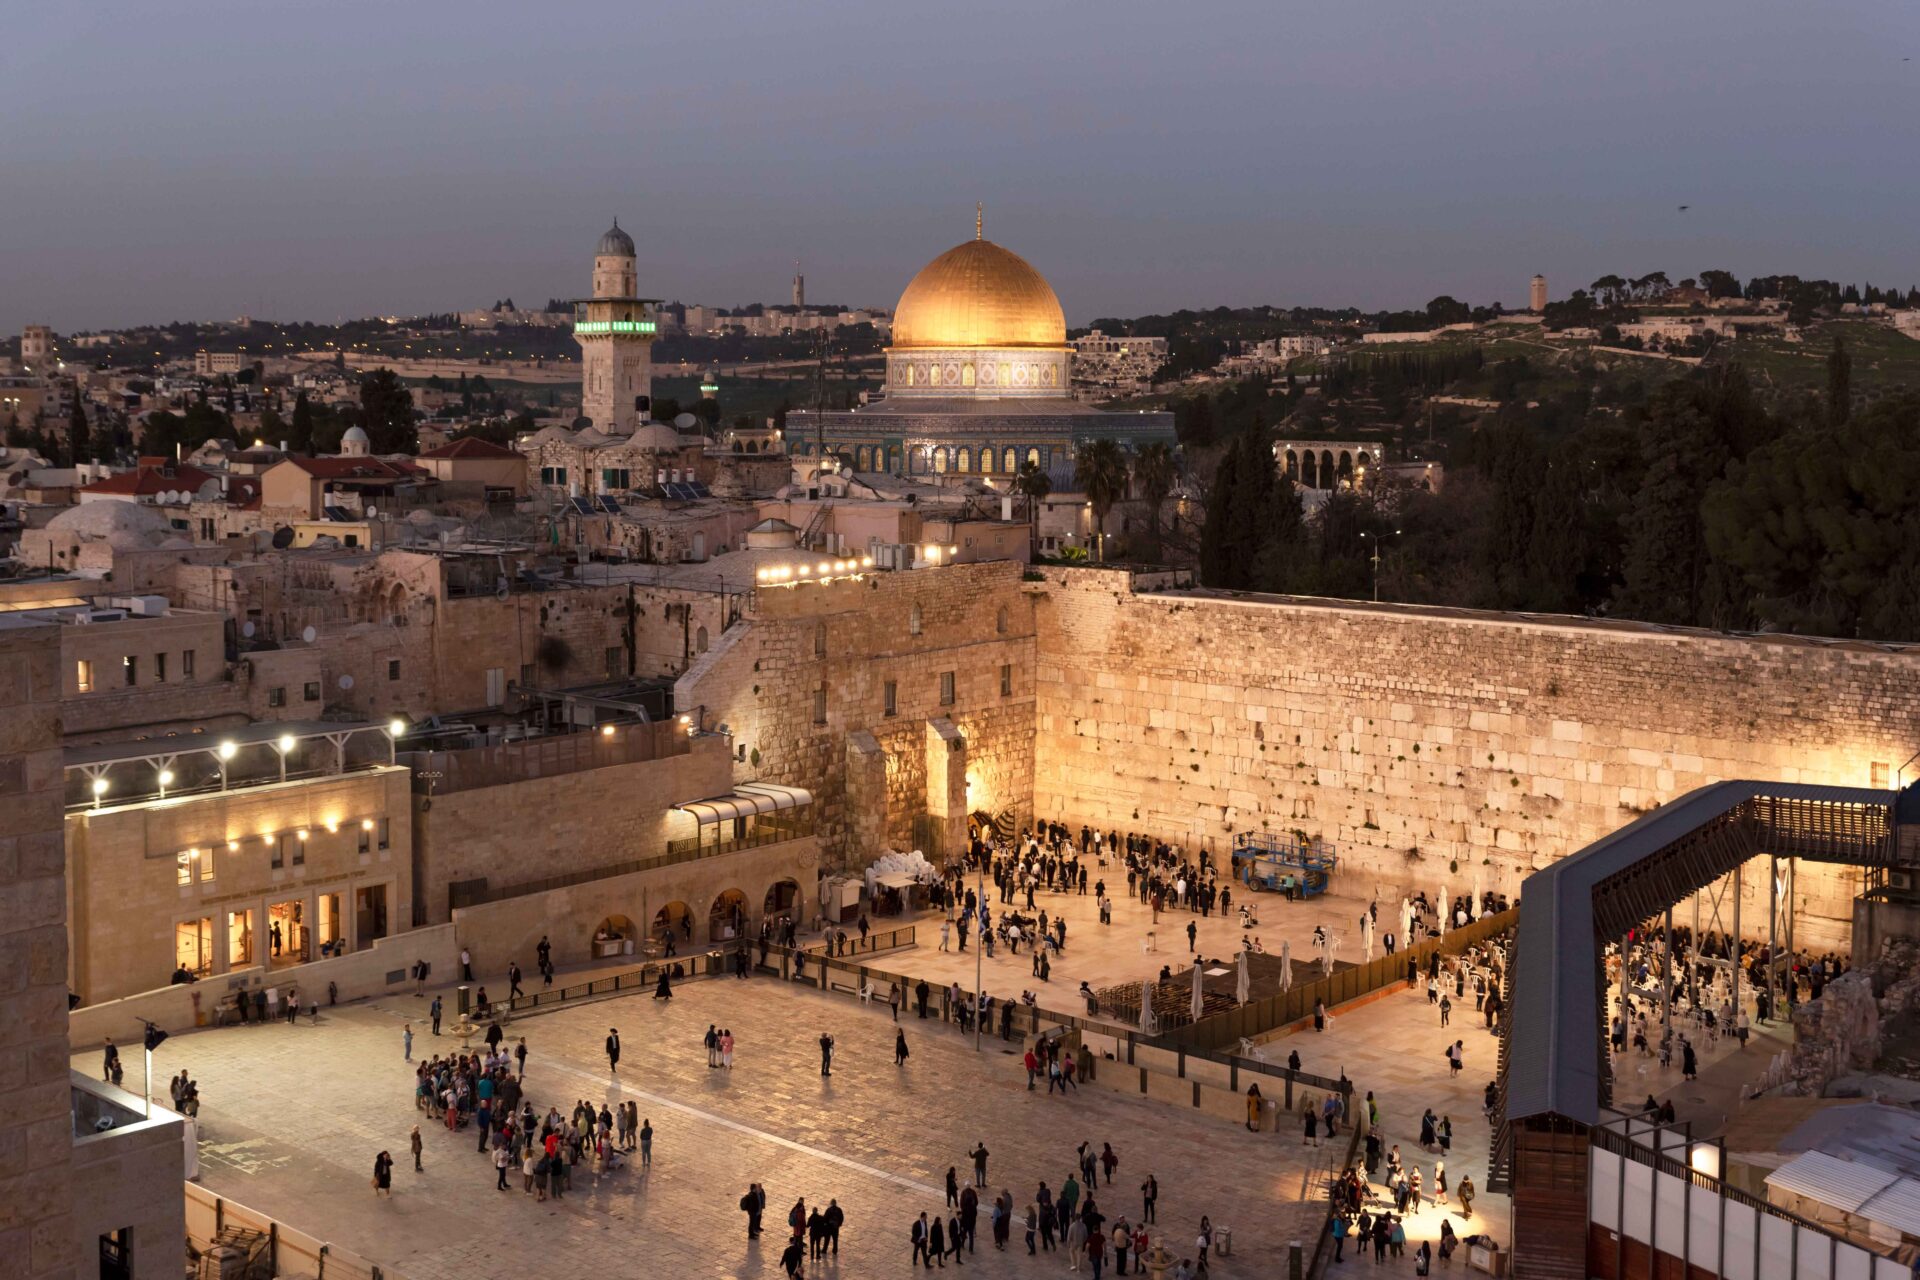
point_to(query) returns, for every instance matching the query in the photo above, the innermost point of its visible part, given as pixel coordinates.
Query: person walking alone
(406, 1040)
(899, 1048)
(826, 1054)
(613, 1050)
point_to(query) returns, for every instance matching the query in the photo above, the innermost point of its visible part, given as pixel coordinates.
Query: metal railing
(873, 944)
(1322, 1254)
(1257, 1017)
(711, 963)
(545, 757)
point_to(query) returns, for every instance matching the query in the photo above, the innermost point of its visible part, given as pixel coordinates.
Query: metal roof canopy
(746, 800)
(1845, 1185)
(1556, 1021)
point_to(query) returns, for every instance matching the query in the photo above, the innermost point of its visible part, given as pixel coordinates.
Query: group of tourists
(484, 1094)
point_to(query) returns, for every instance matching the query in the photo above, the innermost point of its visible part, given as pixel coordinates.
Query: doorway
(240, 938)
(370, 910)
(287, 939)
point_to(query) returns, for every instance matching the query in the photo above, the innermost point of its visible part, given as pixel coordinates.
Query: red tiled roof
(355, 468)
(146, 481)
(470, 447)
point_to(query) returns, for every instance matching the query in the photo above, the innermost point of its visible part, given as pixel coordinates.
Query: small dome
(591, 438)
(354, 435)
(616, 243)
(658, 436)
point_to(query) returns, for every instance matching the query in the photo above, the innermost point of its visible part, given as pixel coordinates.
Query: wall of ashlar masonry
(848, 639)
(1431, 746)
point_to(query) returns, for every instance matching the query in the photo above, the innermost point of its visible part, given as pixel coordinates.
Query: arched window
(893, 459)
(1010, 461)
(963, 460)
(1000, 621)
(940, 461)
(987, 456)
(700, 640)
(863, 457)
(913, 621)
(966, 375)
(1033, 456)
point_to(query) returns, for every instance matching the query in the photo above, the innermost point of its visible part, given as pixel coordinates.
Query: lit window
(184, 868)
(83, 674)
(913, 620)
(206, 865)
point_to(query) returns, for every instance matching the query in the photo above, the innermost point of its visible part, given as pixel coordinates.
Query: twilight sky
(197, 160)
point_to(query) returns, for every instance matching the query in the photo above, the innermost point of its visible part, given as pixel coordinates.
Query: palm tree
(1100, 469)
(1033, 482)
(1153, 470)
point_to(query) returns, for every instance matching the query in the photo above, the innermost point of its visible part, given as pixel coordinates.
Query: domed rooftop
(614, 243)
(978, 294)
(657, 435)
(124, 524)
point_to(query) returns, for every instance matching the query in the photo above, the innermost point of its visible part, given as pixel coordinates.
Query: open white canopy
(746, 800)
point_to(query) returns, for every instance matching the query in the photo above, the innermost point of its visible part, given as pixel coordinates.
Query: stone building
(615, 330)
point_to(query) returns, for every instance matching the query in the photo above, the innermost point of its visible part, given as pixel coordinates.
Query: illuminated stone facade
(615, 331)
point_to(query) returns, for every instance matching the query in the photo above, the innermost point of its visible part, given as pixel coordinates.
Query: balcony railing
(473, 893)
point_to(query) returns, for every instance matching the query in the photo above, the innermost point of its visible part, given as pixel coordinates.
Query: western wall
(1426, 745)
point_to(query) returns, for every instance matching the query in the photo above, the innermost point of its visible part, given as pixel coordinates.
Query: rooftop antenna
(979, 221)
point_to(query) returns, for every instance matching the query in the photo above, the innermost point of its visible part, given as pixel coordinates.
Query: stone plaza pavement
(293, 1116)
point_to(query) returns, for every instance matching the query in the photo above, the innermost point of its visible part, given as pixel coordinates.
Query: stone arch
(727, 917)
(963, 460)
(675, 920)
(1346, 467)
(396, 601)
(613, 926)
(700, 640)
(783, 898)
(1010, 460)
(893, 459)
(940, 461)
(863, 458)
(1000, 621)
(1292, 463)
(1327, 471)
(1309, 470)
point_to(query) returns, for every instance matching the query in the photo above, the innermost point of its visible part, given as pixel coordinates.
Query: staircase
(816, 524)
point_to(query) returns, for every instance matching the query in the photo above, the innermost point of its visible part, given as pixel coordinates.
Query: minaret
(615, 330)
(799, 289)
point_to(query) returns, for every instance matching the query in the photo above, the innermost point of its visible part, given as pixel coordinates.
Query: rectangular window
(277, 697)
(820, 705)
(366, 837)
(892, 694)
(206, 865)
(312, 691)
(130, 668)
(1877, 774)
(83, 674)
(496, 686)
(393, 668)
(616, 661)
(300, 849)
(160, 667)
(278, 855)
(1006, 680)
(183, 871)
(526, 675)
(946, 688)
(386, 831)
(186, 664)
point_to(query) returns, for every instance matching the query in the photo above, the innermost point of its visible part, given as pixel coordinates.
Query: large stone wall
(36, 1192)
(1431, 746)
(762, 678)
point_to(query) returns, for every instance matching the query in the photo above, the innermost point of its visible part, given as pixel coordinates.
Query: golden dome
(977, 294)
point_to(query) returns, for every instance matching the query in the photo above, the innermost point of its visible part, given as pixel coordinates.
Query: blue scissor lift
(1284, 863)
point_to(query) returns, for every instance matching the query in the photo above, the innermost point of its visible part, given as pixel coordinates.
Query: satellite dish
(282, 538)
(246, 629)
(685, 422)
(373, 513)
(309, 635)
(346, 682)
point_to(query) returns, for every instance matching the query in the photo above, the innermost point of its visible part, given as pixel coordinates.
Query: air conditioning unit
(82, 617)
(1900, 878)
(141, 606)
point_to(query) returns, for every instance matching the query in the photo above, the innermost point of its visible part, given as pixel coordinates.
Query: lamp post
(1375, 557)
(285, 747)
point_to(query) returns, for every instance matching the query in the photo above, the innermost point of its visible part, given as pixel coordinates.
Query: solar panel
(608, 504)
(337, 513)
(685, 490)
(581, 506)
